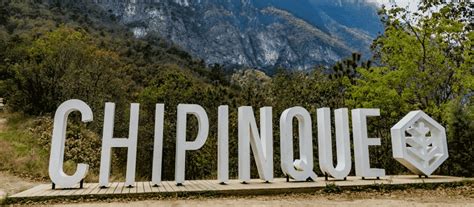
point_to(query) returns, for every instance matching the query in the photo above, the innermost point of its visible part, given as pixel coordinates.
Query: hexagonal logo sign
(419, 143)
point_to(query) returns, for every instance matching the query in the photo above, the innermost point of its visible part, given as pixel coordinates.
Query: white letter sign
(262, 148)
(56, 172)
(419, 143)
(343, 146)
(181, 144)
(223, 144)
(362, 143)
(158, 145)
(108, 142)
(302, 169)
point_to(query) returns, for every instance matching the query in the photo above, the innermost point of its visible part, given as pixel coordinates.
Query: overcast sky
(411, 4)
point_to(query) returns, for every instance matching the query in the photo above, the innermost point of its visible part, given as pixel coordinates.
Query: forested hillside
(52, 52)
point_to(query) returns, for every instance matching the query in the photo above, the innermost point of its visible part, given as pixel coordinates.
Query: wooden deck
(279, 185)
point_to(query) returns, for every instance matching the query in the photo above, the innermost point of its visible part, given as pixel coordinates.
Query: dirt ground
(12, 184)
(307, 202)
(458, 196)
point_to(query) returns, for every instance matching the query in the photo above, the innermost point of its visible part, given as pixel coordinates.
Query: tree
(426, 64)
(460, 143)
(61, 65)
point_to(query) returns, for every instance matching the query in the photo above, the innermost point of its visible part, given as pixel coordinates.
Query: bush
(82, 145)
(460, 141)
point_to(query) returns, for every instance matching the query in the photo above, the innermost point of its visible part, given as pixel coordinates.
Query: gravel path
(307, 202)
(459, 196)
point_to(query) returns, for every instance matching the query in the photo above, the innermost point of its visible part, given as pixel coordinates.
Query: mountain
(263, 34)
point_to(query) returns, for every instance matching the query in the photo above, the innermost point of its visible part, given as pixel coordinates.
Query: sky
(412, 5)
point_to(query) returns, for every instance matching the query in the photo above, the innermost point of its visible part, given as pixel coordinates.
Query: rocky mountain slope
(264, 34)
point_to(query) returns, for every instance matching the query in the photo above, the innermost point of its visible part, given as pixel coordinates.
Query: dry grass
(12, 184)
(20, 152)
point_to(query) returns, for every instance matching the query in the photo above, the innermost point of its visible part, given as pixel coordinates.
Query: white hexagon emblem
(419, 143)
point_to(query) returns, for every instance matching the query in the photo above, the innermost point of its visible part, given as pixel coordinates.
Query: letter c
(56, 171)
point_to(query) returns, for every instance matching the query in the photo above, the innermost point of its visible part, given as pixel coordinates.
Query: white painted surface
(181, 144)
(419, 143)
(158, 145)
(362, 143)
(109, 142)
(261, 143)
(223, 144)
(343, 145)
(300, 169)
(56, 172)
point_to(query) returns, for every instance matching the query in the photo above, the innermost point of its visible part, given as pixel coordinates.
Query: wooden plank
(112, 188)
(205, 185)
(181, 188)
(202, 186)
(176, 187)
(135, 188)
(90, 189)
(186, 186)
(40, 191)
(163, 187)
(62, 192)
(168, 185)
(140, 188)
(208, 186)
(215, 185)
(95, 190)
(127, 189)
(156, 189)
(193, 186)
(72, 191)
(171, 186)
(46, 192)
(50, 192)
(31, 192)
(147, 187)
(43, 190)
(104, 190)
(85, 187)
(119, 188)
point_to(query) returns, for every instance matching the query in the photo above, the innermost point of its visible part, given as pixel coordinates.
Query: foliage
(332, 188)
(81, 144)
(64, 64)
(461, 132)
(425, 65)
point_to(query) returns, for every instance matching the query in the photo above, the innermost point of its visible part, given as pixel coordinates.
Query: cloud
(411, 5)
